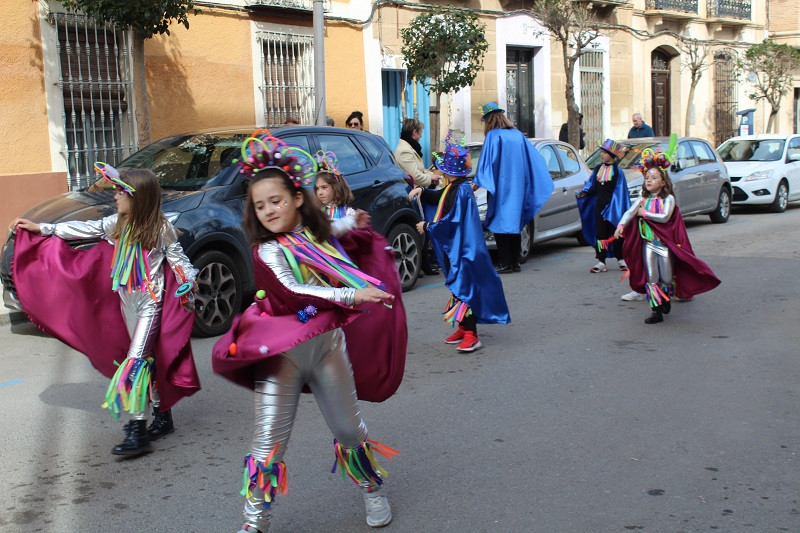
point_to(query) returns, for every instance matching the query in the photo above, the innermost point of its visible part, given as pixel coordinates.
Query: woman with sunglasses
(355, 121)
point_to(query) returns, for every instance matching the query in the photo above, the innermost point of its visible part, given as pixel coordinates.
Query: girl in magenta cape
(312, 299)
(138, 337)
(656, 247)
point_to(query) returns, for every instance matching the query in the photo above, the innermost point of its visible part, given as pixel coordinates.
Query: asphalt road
(577, 417)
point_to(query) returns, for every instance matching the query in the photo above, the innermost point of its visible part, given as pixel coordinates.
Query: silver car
(559, 216)
(700, 180)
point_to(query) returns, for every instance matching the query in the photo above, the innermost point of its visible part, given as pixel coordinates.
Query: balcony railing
(730, 9)
(683, 6)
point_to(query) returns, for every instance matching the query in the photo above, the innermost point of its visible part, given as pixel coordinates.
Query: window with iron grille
(96, 85)
(287, 61)
(591, 69)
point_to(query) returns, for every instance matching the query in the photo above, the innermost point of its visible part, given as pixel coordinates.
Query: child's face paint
(123, 200)
(276, 208)
(324, 192)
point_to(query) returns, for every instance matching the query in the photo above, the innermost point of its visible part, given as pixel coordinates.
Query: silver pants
(658, 263)
(321, 363)
(143, 319)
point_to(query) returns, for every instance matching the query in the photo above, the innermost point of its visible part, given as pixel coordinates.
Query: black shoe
(136, 442)
(515, 268)
(655, 318)
(503, 269)
(430, 271)
(666, 307)
(162, 424)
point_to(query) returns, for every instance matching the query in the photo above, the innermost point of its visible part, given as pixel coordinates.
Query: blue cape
(471, 278)
(620, 202)
(511, 170)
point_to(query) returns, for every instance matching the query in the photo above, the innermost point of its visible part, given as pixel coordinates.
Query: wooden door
(661, 94)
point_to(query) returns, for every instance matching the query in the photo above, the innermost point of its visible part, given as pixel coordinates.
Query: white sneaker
(633, 296)
(379, 513)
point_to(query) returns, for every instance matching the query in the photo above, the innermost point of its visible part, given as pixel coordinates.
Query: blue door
(396, 89)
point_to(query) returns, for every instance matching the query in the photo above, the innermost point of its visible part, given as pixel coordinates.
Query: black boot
(666, 307)
(656, 317)
(162, 424)
(136, 442)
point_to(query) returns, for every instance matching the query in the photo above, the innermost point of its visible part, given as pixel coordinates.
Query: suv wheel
(781, 198)
(405, 243)
(219, 291)
(723, 209)
(526, 243)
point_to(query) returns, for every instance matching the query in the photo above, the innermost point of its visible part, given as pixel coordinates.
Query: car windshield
(751, 150)
(185, 163)
(631, 157)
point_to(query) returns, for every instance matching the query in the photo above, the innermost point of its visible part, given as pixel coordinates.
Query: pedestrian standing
(657, 248)
(476, 292)
(640, 128)
(563, 134)
(601, 202)
(314, 312)
(516, 180)
(138, 337)
(355, 121)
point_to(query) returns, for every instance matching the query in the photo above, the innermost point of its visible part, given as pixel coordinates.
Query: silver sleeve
(631, 212)
(175, 254)
(76, 229)
(272, 255)
(660, 218)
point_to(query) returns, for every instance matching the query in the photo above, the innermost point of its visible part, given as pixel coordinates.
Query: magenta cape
(692, 276)
(376, 336)
(67, 294)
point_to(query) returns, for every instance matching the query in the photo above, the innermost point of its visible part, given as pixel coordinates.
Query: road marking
(557, 256)
(12, 382)
(432, 285)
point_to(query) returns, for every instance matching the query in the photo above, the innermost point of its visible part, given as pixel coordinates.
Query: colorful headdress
(263, 150)
(111, 174)
(454, 162)
(491, 107)
(327, 162)
(614, 148)
(658, 159)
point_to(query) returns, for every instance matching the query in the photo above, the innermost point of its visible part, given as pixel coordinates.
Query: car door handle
(377, 183)
(564, 190)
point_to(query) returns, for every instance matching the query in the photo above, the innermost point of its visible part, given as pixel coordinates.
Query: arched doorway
(659, 65)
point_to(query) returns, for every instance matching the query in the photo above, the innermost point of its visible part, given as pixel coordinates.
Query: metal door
(519, 90)
(661, 95)
(725, 96)
(592, 100)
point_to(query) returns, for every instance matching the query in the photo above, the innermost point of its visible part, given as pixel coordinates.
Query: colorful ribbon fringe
(455, 310)
(359, 463)
(603, 245)
(130, 266)
(335, 211)
(659, 293)
(440, 208)
(268, 476)
(653, 204)
(605, 173)
(130, 387)
(322, 260)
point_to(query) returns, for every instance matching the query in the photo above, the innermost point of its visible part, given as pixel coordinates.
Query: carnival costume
(517, 183)
(457, 237)
(292, 339)
(657, 248)
(342, 217)
(602, 202)
(140, 338)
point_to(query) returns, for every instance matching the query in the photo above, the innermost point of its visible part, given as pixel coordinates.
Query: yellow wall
(22, 99)
(201, 78)
(345, 77)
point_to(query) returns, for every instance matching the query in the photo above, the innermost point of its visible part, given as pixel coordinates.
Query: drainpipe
(319, 62)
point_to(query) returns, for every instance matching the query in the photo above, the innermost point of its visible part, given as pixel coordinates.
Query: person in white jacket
(409, 154)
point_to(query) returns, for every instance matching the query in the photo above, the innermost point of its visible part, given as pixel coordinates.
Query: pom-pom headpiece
(111, 174)
(453, 161)
(658, 159)
(263, 151)
(327, 162)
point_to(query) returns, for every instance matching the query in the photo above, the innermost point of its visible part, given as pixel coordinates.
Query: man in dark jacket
(640, 129)
(563, 135)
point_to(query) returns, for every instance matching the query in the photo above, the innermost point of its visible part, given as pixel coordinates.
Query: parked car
(765, 169)
(700, 180)
(559, 216)
(203, 196)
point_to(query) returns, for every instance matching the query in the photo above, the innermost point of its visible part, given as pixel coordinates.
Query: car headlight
(760, 175)
(172, 217)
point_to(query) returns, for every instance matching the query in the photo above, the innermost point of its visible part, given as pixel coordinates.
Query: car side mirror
(676, 166)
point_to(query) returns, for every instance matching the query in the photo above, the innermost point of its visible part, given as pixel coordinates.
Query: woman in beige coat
(409, 154)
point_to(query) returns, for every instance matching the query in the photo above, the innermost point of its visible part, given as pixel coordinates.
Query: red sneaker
(456, 337)
(469, 343)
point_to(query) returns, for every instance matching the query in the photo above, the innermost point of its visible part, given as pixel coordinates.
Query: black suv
(203, 196)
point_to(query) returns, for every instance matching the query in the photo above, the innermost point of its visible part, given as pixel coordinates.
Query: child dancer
(334, 193)
(457, 236)
(601, 202)
(312, 300)
(144, 332)
(657, 248)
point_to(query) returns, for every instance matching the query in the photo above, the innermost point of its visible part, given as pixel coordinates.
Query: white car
(764, 169)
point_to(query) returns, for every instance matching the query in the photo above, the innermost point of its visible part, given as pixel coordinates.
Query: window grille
(591, 72)
(726, 88)
(287, 61)
(96, 84)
